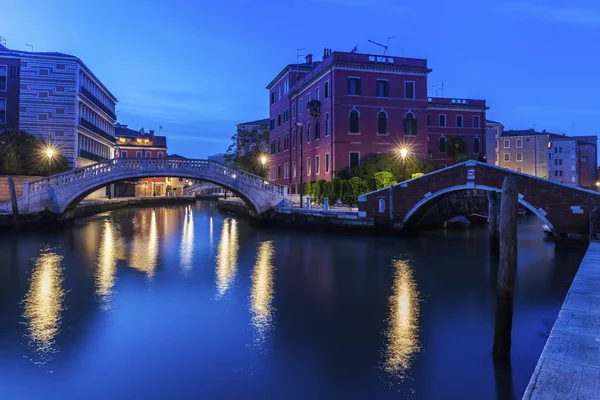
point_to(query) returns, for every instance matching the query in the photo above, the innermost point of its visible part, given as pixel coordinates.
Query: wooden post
(506, 270)
(494, 213)
(13, 200)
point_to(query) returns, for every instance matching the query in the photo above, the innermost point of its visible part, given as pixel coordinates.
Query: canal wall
(19, 180)
(569, 367)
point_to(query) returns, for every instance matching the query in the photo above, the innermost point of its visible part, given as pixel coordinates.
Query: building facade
(493, 131)
(57, 98)
(248, 133)
(330, 114)
(570, 160)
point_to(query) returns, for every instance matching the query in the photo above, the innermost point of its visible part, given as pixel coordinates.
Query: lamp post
(403, 154)
(49, 154)
(299, 130)
(263, 161)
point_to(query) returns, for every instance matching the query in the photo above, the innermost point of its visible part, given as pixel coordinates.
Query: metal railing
(88, 125)
(98, 103)
(166, 166)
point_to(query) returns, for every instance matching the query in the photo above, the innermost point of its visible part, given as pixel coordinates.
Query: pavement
(569, 367)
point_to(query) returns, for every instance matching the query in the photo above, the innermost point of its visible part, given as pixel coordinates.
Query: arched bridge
(564, 209)
(62, 192)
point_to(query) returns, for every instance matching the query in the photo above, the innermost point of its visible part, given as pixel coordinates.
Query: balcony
(90, 156)
(97, 102)
(89, 126)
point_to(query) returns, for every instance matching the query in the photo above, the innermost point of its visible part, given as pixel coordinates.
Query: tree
(320, 191)
(384, 179)
(457, 149)
(359, 187)
(327, 191)
(255, 140)
(24, 154)
(336, 189)
(347, 194)
(417, 175)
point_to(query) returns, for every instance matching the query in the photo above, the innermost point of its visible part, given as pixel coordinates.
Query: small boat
(479, 217)
(521, 211)
(458, 222)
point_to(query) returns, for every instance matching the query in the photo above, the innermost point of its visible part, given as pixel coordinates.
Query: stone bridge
(564, 209)
(62, 192)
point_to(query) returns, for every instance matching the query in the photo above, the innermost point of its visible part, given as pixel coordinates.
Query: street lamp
(263, 160)
(403, 154)
(49, 154)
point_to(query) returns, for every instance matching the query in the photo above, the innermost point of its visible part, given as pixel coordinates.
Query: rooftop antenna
(29, 46)
(388, 42)
(2, 41)
(159, 129)
(298, 55)
(381, 45)
(439, 88)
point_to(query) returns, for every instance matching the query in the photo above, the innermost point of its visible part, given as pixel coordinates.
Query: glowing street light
(263, 160)
(49, 151)
(403, 154)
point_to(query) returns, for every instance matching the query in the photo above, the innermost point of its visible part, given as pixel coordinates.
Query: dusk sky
(199, 68)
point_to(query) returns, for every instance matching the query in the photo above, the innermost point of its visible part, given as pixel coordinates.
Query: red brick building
(331, 114)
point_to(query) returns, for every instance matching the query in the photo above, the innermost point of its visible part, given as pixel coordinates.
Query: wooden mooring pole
(493, 215)
(507, 269)
(13, 201)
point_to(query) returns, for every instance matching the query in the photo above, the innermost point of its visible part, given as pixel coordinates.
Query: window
(410, 125)
(308, 132)
(428, 123)
(382, 123)
(519, 156)
(442, 120)
(124, 154)
(519, 169)
(286, 171)
(317, 129)
(327, 163)
(272, 124)
(382, 89)
(506, 157)
(293, 169)
(279, 172)
(354, 159)
(3, 78)
(353, 121)
(294, 139)
(307, 99)
(278, 119)
(2, 111)
(409, 90)
(476, 121)
(326, 90)
(300, 109)
(318, 165)
(272, 97)
(476, 145)
(138, 154)
(279, 144)
(506, 143)
(459, 121)
(160, 154)
(327, 125)
(496, 148)
(279, 93)
(519, 144)
(354, 86)
(286, 87)
(293, 110)
(560, 173)
(496, 158)
(308, 166)
(318, 94)
(286, 115)
(442, 144)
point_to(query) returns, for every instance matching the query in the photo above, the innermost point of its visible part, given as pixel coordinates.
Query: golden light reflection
(186, 251)
(261, 297)
(210, 231)
(144, 252)
(227, 256)
(402, 332)
(111, 250)
(43, 302)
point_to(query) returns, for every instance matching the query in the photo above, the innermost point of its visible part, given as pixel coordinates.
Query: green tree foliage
(417, 175)
(386, 162)
(336, 189)
(347, 194)
(306, 189)
(457, 149)
(359, 187)
(250, 162)
(327, 191)
(24, 154)
(320, 191)
(384, 179)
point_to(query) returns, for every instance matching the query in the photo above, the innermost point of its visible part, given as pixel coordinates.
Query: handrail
(154, 164)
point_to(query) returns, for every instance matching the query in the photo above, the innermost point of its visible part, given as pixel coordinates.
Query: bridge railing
(164, 165)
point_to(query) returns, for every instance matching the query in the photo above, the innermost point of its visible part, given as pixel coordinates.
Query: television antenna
(388, 43)
(439, 88)
(380, 45)
(298, 55)
(29, 46)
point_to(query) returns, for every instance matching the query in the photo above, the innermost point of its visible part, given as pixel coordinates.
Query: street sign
(471, 173)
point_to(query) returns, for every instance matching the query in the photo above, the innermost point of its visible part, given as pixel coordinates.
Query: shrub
(359, 187)
(336, 189)
(347, 194)
(306, 189)
(384, 179)
(417, 175)
(327, 191)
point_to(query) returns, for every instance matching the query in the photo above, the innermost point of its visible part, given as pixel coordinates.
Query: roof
(177, 156)
(523, 132)
(258, 122)
(303, 66)
(489, 121)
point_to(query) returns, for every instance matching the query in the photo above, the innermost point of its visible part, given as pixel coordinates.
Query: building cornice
(453, 107)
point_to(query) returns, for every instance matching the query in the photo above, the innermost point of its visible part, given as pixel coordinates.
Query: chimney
(309, 58)
(151, 131)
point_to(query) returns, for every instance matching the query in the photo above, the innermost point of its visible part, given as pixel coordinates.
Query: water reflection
(261, 297)
(111, 250)
(186, 251)
(43, 302)
(227, 256)
(144, 252)
(403, 322)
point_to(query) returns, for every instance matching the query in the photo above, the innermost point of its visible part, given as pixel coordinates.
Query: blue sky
(199, 68)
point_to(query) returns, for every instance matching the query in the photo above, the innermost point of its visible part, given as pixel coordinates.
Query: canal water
(186, 302)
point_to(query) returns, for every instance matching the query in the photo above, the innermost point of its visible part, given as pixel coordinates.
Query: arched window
(353, 121)
(148, 154)
(382, 123)
(476, 145)
(442, 144)
(317, 129)
(410, 125)
(308, 132)
(327, 125)
(124, 154)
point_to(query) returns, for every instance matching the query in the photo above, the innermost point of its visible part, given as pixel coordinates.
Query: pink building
(331, 114)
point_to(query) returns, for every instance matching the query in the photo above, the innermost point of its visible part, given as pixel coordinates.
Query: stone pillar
(308, 202)
(326, 204)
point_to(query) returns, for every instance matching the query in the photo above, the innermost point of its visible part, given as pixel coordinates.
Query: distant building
(571, 160)
(56, 97)
(493, 132)
(330, 114)
(221, 157)
(252, 130)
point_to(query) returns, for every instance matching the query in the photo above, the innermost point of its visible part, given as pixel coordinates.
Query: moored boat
(479, 217)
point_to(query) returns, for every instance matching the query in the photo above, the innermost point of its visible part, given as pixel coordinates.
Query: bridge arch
(62, 193)
(418, 211)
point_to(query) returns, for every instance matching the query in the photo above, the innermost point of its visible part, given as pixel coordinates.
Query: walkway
(569, 367)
